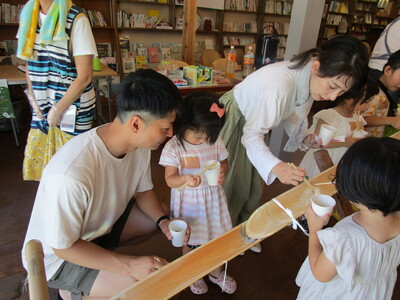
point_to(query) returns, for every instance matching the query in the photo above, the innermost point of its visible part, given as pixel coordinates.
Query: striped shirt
(51, 74)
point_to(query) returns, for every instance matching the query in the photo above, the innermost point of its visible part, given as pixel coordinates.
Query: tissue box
(198, 75)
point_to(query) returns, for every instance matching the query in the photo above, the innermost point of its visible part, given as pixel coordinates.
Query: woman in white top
(276, 93)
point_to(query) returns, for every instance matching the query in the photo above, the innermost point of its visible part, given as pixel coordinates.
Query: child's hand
(311, 141)
(315, 223)
(221, 177)
(395, 122)
(193, 180)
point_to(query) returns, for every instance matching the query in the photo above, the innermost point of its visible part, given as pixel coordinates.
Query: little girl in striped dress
(202, 205)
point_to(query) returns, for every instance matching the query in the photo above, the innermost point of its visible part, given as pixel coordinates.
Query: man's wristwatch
(164, 217)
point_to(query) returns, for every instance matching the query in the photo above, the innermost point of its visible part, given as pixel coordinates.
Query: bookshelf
(364, 19)
(277, 14)
(221, 23)
(259, 18)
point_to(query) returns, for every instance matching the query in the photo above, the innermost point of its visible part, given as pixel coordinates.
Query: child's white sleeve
(169, 155)
(338, 249)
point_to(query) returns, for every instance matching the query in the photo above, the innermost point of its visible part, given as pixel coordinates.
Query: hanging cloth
(52, 29)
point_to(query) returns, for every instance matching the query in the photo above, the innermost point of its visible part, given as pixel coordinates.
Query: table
(15, 77)
(223, 87)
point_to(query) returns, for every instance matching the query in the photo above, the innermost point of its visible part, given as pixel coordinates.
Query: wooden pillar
(189, 30)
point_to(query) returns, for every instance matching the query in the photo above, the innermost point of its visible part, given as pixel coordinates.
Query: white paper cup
(326, 133)
(360, 134)
(213, 173)
(322, 204)
(178, 232)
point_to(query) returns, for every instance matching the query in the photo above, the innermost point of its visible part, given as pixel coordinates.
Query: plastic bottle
(230, 65)
(248, 62)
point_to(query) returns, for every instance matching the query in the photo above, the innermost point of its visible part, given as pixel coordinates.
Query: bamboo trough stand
(265, 221)
(176, 276)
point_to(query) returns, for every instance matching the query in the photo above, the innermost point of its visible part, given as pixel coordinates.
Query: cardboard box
(198, 75)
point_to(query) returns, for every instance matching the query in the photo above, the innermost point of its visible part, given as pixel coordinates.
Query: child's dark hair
(339, 56)
(370, 89)
(147, 91)
(368, 173)
(196, 116)
(394, 63)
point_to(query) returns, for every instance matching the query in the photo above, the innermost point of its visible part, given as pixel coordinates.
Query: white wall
(304, 26)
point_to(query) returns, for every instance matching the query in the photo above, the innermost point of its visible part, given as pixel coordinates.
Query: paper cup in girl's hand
(178, 232)
(326, 133)
(322, 204)
(212, 174)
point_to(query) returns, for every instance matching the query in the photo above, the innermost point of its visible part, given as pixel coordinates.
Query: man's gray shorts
(79, 280)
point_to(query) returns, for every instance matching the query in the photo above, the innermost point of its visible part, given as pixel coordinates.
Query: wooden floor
(268, 275)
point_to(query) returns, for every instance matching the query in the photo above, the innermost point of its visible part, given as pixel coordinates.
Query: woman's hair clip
(215, 108)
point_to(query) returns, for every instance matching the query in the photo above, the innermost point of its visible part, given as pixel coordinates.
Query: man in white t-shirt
(96, 193)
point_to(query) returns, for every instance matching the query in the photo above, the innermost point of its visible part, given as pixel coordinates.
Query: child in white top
(359, 256)
(203, 206)
(341, 116)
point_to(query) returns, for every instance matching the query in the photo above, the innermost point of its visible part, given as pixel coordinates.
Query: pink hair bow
(215, 108)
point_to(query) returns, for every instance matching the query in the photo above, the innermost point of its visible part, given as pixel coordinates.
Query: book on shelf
(104, 49)
(279, 7)
(3, 49)
(164, 27)
(103, 86)
(5, 60)
(125, 42)
(12, 46)
(141, 62)
(269, 6)
(95, 17)
(326, 10)
(128, 64)
(244, 5)
(153, 55)
(165, 52)
(124, 53)
(17, 61)
(287, 8)
(157, 45)
(110, 62)
(209, 43)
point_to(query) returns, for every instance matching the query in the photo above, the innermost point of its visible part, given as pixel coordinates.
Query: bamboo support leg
(38, 289)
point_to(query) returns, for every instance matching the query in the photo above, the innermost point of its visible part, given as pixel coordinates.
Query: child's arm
(222, 171)
(382, 121)
(174, 180)
(322, 268)
(347, 143)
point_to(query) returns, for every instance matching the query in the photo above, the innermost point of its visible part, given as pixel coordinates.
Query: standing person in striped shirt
(202, 205)
(56, 39)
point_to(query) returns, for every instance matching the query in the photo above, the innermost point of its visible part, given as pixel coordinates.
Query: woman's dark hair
(368, 173)
(196, 116)
(370, 89)
(148, 91)
(339, 56)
